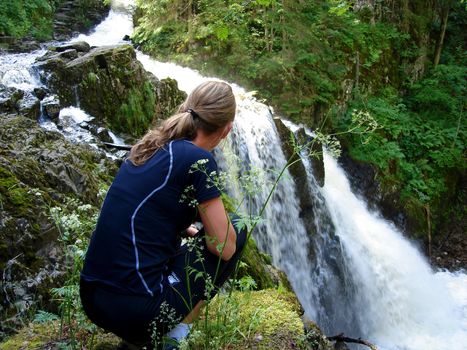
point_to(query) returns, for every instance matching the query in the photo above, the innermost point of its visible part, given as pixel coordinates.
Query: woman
(136, 274)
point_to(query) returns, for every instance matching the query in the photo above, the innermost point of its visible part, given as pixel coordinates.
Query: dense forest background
(34, 19)
(398, 65)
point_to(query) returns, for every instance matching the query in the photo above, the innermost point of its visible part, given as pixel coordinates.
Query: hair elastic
(193, 113)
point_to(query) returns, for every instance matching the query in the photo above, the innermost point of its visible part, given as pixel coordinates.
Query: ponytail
(209, 107)
(178, 126)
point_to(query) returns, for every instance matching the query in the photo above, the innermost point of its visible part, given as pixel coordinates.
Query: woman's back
(142, 215)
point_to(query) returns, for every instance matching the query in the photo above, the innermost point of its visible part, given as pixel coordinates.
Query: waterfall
(355, 273)
(399, 302)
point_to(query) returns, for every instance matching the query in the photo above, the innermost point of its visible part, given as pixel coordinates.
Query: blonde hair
(209, 107)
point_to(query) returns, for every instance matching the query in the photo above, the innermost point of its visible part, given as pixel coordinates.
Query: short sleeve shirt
(145, 209)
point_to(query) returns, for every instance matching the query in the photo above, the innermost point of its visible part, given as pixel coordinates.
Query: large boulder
(110, 84)
(39, 170)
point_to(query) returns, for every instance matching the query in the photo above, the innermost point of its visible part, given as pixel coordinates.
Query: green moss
(137, 112)
(255, 266)
(35, 336)
(266, 319)
(14, 195)
(47, 336)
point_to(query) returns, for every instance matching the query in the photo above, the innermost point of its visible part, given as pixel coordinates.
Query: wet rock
(103, 135)
(78, 16)
(29, 106)
(79, 46)
(111, 85)
(51, 106)
(52, 60)
(24, 45)
(314, 148)
(315, 336)
(40, 92)
(9, 98)
(299, 173)
(387, 201)
(13, 100)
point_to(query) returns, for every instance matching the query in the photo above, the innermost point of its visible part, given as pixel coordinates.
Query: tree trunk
(190, 20)
(405, 16)
(439, 42)
(357, 71)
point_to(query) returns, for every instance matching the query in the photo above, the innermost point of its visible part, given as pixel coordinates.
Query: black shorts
(135, 317)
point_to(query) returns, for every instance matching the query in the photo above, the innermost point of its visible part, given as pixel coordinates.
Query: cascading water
(356, 273)
(399, 302)
(16, 70)
(113, 29)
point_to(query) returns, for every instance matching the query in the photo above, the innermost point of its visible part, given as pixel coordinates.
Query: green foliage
(294, 53)
(42, 334)
(421, 138)
(19, 18)
(22, 18)
(13, 193)
(75, 221)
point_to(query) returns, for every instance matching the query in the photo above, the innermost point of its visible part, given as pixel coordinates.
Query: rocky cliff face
(41, 169)
(73, 17)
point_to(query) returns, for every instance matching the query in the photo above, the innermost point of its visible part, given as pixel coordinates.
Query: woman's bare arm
(220, 234)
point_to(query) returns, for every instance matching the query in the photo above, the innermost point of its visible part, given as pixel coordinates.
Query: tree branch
(342, 337)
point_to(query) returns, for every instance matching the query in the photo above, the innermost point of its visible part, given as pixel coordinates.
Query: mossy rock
(112, 86)
(39, 170)
(258, 266)
(265, 319)
(47, 336)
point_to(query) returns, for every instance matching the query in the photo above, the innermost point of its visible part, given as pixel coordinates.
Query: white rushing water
(355, 272)
(16, 70)
(115, 26)
(400, 302)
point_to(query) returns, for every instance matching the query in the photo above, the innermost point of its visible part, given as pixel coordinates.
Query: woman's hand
(191, 231)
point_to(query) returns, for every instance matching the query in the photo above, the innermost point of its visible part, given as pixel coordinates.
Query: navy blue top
(144, 211)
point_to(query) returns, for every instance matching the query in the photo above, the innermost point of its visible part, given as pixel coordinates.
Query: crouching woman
(137, 276)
